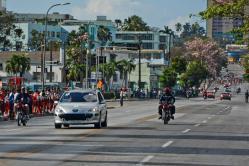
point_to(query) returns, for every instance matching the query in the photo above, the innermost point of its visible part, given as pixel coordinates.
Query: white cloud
(111, 8)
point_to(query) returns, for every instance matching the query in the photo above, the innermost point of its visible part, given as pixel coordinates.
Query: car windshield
(78, 97)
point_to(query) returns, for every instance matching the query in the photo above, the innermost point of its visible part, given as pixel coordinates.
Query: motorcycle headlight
(59, 110)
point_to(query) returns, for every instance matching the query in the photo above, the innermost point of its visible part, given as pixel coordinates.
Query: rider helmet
(166, 90)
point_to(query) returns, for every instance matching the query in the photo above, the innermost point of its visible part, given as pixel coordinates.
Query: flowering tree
(208, 53)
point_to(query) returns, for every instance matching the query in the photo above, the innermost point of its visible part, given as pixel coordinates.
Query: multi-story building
(219, 28)
(54, 33)
(34, 75)
(53, 18)
(93, 26)
(154, 47)
(2, 5)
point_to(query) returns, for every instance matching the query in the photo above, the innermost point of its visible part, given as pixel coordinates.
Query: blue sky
(156, 13)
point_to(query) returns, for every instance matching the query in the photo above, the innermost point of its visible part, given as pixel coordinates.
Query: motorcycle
(21, 114)
(166, 113)
(238, 90)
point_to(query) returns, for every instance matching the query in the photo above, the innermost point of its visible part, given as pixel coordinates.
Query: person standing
(246, 96)
(121, 97)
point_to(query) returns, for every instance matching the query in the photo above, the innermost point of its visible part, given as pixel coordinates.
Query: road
(204, 133)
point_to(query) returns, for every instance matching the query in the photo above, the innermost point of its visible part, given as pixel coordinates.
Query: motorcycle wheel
(18, 119)
(165, 120)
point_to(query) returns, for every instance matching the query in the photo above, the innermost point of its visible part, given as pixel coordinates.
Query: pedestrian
(121, 97)
(246, 96)
(11, 102)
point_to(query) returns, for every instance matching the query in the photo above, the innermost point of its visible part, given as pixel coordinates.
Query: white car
(79, 107)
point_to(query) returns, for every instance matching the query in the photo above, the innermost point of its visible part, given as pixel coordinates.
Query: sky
(156, 13)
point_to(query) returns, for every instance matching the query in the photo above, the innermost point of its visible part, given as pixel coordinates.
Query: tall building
(33, 18)
(2, 5)
(218, 28)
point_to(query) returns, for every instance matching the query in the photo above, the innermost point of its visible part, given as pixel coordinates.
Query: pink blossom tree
(208, 53)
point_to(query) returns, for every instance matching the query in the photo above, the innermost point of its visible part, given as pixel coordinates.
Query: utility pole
(51, 59)
(139, 62)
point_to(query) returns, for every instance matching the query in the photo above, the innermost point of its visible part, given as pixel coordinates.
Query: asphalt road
(204, 133)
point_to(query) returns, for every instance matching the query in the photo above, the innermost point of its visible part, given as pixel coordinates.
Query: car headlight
(95, 109)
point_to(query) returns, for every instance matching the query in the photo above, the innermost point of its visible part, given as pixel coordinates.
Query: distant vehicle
(210, 94)
(225, 96)
(77, 107)
(226, 85)
(228, 90)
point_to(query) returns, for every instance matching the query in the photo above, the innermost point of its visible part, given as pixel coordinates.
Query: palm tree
(131, 67)
(108, 70)
(104, 35)
(125, 67)
(178, 27)
(18, 64)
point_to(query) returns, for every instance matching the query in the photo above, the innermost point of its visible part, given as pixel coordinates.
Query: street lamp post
(45, 42)
(139, 62)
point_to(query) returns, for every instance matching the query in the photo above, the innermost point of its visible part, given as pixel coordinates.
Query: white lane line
(209, 117)
(197, 125)
(12, 129)
(204, 121)
(167, 144)
(185, 131)
(146, 159)
(227, 107)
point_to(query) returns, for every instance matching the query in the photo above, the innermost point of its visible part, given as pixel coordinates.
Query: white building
(2, 5)
(34, 75)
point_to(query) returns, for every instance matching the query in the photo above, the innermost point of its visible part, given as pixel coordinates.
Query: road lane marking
(146, 159)
(185, 131)
(197, 125)
(167, 144)
(12, 129)
(209, 117)
(204, 121)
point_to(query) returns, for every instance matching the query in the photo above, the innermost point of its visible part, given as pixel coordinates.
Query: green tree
(36, 40)
(134, 23)
(108, 70)
(178, 27)
(19, 63)
(125, 67)
(179, 64)
(104, 35)
(195, 73)
(76, 54)
(234, 9)
(169, 77)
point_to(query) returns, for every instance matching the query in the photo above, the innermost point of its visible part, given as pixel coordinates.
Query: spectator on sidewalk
(246, 96)
(121, 97)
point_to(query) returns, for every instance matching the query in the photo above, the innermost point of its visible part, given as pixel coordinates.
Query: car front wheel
(98, 124)
(57, 126)
(104, 124)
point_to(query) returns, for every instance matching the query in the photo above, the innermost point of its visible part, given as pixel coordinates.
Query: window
(52, 34)
(48, 34)
(58, 34)
(147, 46)
(162, 38)
(1, 66)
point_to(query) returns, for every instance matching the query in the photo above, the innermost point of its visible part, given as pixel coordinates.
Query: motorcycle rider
(22, 96)
(167, 96)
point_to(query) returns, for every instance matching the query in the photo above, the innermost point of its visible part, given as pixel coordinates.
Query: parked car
(77, 107)
(210, 94)
(225, 96)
